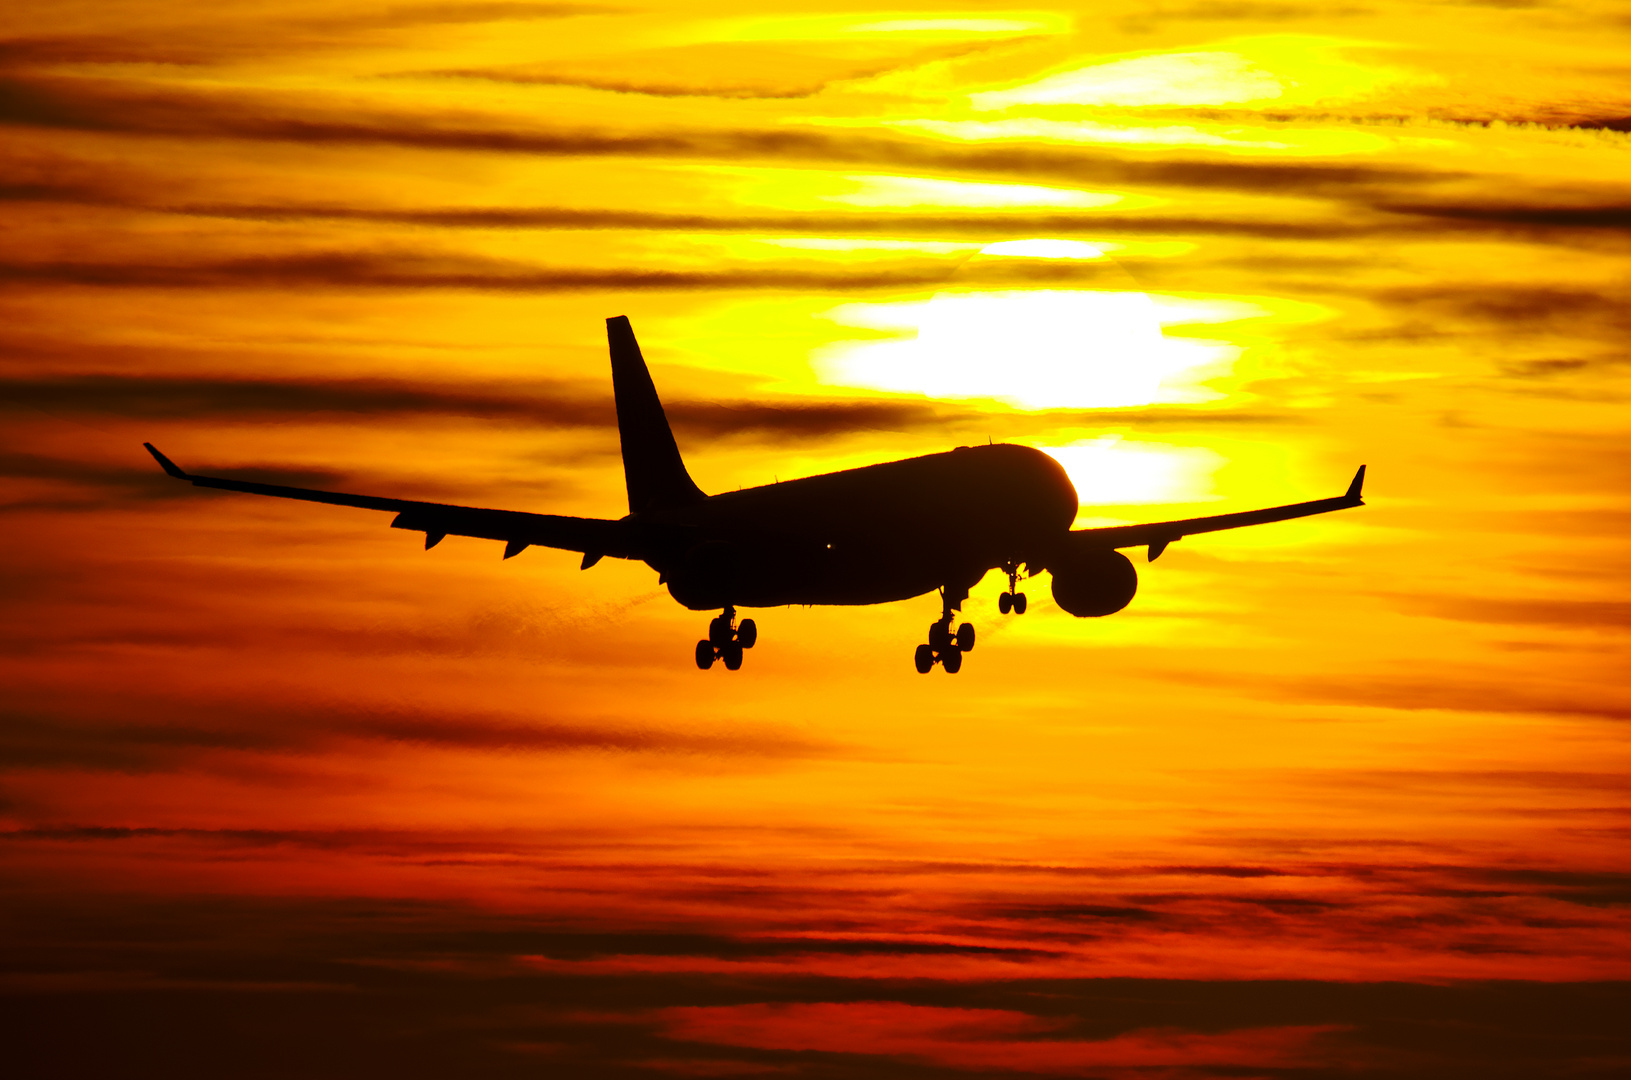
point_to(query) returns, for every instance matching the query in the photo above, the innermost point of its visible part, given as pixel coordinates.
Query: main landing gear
(944, 647)
(725, 641)
(1012, 600)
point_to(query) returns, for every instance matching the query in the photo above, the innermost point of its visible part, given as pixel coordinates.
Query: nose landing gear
(1011, 600)
(725, 641)
(944, 647)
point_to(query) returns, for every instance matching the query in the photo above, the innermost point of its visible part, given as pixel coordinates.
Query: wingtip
(165, 463)
(1355, 489)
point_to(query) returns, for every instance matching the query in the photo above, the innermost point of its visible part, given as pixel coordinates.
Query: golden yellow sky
(274, 773)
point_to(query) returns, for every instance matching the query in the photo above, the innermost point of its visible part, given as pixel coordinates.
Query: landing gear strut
(725, 641)
(944, 647)
(1012, 600)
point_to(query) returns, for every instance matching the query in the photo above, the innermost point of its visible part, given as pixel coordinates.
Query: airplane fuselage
(870, 535)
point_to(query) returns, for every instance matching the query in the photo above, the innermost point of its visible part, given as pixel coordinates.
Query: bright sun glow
(1285, 68)
(805, 189)
(893, 191)
(1196, 78)
(1086, 131)
(1035, 348)
(1045, 249)
(1112, 471)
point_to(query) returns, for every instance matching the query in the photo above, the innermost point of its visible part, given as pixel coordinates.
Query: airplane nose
(1055, 493)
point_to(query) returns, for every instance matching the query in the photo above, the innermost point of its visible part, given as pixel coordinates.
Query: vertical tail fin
(652, 468)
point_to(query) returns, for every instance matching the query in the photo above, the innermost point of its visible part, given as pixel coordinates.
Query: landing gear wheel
(726, 640)
(965, 638)
(1005, 603)
(952, 661)
(1019, 603)
(719, 631)
(924, 659)
(939, 637)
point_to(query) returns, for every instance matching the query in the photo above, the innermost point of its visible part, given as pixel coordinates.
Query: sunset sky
(284, 794)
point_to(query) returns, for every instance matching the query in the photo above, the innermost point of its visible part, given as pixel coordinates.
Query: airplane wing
(595, 537)
(1159, 534)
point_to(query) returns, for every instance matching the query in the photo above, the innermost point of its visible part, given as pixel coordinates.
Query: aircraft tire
(719, 631)
(732, 655)
(924, 659)
(1005, 603)
(965, 637)
(952, 662)
(705, 655)
(939, 637)
(1019, 603)
(747, 633)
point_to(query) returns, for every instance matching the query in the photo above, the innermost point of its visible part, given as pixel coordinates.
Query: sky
(283, 793)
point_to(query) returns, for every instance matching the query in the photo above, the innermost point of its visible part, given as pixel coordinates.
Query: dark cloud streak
(247, 34)
(140, 743)
(340, 988)
(540, 404)
(410, 270)
(112, 106)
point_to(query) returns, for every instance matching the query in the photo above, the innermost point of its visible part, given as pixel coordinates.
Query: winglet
(1353, 488)
(166, 464)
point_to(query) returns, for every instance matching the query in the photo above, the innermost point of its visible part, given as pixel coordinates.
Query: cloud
(334, 986)
(139, 733)
(418, 270)
(700, 87)
(1589, 888)
(110, 105)
(247, 34)
(745, 70)
(539, 403)
(1523, 217)
(891, 223)
(1461, 693)
(435, 13)
(72, 183)
(1076, 913)
(1582, 614)
(125, 482)
(69, 180)
(1518, 308)
(1258, 11)
(980, 1039)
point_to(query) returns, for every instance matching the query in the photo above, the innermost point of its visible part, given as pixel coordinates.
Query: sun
(1083, 336)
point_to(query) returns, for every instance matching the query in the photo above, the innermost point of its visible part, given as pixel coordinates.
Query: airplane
(872, 535)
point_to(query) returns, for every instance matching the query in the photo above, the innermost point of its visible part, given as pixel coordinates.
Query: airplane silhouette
(861, 536)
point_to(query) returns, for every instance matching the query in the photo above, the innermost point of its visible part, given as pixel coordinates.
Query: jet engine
(1089, 582)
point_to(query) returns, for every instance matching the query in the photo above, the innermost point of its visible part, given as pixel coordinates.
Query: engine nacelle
(1090, 582)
